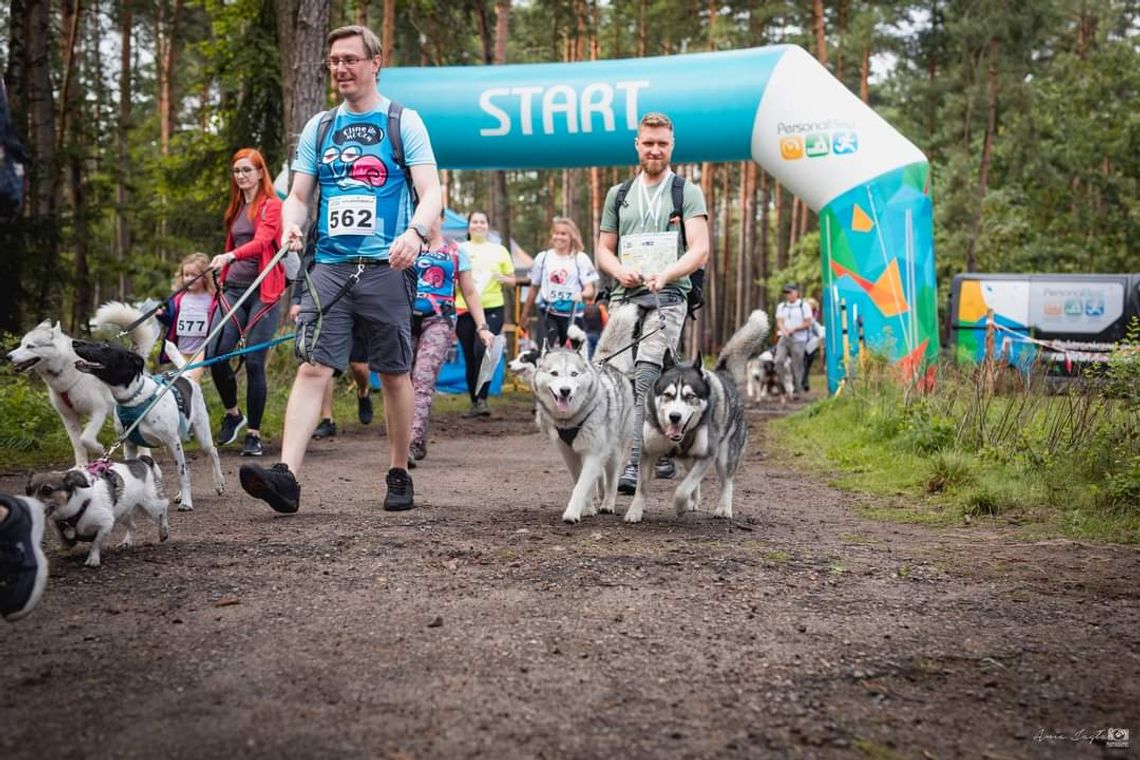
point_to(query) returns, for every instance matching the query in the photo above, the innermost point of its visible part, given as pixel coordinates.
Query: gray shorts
(380, 307)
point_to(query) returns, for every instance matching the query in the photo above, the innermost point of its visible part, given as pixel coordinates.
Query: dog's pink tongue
(673, 431)
(563, 404)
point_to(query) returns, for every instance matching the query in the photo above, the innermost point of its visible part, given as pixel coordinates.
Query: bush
(948, 471)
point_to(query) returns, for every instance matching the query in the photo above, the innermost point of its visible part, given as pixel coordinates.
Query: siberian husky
(77, 396)
(178, 414)
(587, 411)
(697, 417)
(86, 506)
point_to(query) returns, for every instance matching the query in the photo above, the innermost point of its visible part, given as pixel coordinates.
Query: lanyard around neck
(651, 208)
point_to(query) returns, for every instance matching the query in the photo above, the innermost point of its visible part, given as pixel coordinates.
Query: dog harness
(568, 434)
(128, 415)
(70, 525)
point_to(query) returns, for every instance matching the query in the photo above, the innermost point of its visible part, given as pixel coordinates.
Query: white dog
(587, 411)
(86, 506)
(180, 412)
(75, 396)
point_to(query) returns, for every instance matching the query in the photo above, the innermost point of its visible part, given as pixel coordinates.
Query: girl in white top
(562, 279)
(187, 314)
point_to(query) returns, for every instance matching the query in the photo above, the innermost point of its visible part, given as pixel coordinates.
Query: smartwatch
(420, 230)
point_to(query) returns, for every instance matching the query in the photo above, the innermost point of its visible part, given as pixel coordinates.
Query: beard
(653, 166)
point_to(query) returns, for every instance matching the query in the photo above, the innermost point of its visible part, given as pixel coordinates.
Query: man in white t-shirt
(793, 326)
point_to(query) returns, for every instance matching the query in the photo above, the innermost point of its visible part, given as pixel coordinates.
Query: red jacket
(263, 247)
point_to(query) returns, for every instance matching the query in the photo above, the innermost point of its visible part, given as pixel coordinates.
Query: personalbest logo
(816, 145)
(843, 143)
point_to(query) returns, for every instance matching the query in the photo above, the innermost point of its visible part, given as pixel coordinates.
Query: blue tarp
(452, 375)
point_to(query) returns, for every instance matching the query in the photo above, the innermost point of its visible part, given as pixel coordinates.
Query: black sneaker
(327, 429)
(473, 412)
(665, 469)
(252, 446)
(276, 486)
(364, 409)
(627, 483)
(400, 492)
(231, 426)
(23, 566)
(418, 450)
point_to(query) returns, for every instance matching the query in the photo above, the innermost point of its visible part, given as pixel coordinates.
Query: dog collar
(133, 396)
(73, 521)
(568, 434)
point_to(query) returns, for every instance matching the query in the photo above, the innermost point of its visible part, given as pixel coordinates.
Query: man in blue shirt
(366, 228)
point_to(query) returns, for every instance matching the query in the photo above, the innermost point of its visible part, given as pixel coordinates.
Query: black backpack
(696, 294)
(13, 164)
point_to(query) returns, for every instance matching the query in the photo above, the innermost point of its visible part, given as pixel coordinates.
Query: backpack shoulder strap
(396, 138)
(323, 128)
(679, 207)
(619, 201)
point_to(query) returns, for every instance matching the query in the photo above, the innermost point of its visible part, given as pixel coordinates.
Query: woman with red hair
(253, 235)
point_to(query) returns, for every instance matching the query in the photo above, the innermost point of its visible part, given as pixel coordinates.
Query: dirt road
(480, 626)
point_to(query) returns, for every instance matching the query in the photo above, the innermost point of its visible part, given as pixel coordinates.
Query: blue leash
(238, 352)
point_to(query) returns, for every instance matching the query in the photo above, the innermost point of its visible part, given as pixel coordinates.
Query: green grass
(1051, 466)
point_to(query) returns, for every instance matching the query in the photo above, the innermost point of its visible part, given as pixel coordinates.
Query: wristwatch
(420, 230)
(483, 327)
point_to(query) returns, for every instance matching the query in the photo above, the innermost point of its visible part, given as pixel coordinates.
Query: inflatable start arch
(776, 105)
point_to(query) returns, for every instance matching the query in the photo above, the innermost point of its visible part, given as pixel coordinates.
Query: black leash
(657, 298)
(126, 330)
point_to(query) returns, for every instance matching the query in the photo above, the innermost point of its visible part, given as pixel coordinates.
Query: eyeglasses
(348, 60)
(244, 169)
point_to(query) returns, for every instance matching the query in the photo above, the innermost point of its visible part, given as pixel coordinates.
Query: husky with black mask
(697, 417)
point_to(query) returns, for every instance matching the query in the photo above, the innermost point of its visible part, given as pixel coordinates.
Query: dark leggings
(553, 327)
(262, 331)
(473, 348)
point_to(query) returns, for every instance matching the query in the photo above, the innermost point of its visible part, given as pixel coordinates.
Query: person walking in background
(370, 158)
(441, 270)
(491, 268)
(562, 280)
(814, 341)
(253, 236)
(186, 314)
(793, 327)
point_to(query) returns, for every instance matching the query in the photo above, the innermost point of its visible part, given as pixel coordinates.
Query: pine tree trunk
(782, 223)
(501, 200)
(748, 209)
(741, 248)
(389, 40)
(817, 23)
(122, 196)
(865, 76)
(765, 231)
(987, 149)
(72, 11)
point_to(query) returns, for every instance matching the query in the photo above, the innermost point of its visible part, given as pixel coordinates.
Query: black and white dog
(87, 505)
(75, 396)
(697, 417)
(179, 413)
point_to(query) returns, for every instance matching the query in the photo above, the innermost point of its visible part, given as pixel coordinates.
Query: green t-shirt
(635, 218)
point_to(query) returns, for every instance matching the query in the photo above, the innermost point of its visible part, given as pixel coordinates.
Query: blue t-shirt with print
(436, 273)
(365, 201)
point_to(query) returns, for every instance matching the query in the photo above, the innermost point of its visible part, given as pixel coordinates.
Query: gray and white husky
(77, 396)
(587, 411)
(697, 417)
